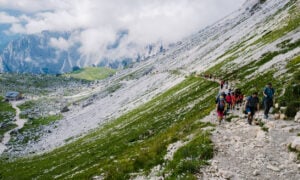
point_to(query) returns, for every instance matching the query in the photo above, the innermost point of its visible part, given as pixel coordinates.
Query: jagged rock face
(34, 54)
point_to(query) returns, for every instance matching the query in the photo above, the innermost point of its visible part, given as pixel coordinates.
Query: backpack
(221, 104)
(269, 92)
(252, 102)
(228, 99)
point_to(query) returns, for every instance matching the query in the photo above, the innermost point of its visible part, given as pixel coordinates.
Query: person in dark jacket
(268, 99)
(251, 106)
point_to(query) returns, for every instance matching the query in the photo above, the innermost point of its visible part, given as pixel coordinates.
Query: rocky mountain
(153, 120)
(35, 54)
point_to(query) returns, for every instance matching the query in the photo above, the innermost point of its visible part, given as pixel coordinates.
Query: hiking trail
(18, 121)
(244, 151)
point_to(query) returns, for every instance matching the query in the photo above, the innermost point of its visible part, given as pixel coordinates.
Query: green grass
(137, 141)
(7, 114)
(262, 125)
(229, 118)
(92, 73)
(34, 123)
(6, 110)
(294, 64)
(293, 22)
(188, 160)
(39, 85)
(31, 126)
(27, 105)
(295, 151)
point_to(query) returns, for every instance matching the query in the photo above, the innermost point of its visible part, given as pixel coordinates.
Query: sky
(94, 24)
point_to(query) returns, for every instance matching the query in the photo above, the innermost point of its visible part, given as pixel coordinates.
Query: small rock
(226, 174)
(282, 116)
(65, 109)
(255, 173)
(273, 168)
(276, 116)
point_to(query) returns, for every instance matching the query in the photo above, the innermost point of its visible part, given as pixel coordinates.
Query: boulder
(296, 144)
(282, 116)
(273, 168)
(297, 117)
(65, 109)
(255, 173)
(276, 116)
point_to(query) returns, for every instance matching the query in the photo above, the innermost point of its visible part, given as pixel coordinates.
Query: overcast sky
(95, 23)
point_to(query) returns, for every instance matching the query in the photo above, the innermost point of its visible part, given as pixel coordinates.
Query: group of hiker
(228, 100)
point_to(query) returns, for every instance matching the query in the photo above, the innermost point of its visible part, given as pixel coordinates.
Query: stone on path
(296, 144)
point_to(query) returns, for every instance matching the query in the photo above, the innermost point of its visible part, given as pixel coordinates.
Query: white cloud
(95, 23)
(60, 43)
(7, 19)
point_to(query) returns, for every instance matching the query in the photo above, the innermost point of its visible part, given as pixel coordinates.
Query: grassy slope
(92, 73)
(290, 81)
(136, 141)
(7, 112)
(225, 69)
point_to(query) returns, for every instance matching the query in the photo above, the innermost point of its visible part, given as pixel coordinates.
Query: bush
(291, 110)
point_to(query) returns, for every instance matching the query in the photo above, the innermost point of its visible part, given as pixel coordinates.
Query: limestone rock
(296, 143)
(297, 117)
(282, 116)
(273, 168)
(226, 174)
(255, 173)
(276, 116)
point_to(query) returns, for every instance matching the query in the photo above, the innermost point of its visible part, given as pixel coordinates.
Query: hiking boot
(266, 116)
(249, 120)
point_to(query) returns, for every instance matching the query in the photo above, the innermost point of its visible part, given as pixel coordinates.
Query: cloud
(60, 43)
(7, 19)
(96, 23)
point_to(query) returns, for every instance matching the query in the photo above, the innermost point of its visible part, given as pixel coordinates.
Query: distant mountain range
(34, 54)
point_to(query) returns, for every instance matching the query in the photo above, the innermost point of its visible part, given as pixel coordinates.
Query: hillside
(156, 118)
(92, 73)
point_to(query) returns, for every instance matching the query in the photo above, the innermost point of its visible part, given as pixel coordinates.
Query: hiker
(226, 85)
(268, 99)
(228, 101)
(221, 107)
(222, 84)
(251, 106)
(233, 100)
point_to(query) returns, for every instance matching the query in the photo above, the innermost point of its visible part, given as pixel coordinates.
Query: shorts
(251, 110)
(220, 113)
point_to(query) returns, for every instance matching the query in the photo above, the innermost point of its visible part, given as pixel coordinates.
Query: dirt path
(19, 122)
(248, 152)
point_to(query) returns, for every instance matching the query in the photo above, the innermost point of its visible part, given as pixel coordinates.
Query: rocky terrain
(249, 152)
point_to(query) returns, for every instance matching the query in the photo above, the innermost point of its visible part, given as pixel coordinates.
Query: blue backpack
(269, 92)
(221, 103)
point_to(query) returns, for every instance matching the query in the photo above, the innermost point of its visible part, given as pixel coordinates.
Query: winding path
(19, 122)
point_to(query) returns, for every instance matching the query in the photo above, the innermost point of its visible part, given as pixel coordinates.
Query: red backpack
(228, 99)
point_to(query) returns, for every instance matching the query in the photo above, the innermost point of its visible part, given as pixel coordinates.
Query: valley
(156, 118)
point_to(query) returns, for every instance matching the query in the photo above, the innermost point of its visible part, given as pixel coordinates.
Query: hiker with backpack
(222, 84)
(228, 101)
(221, 107)
(268, 99)
(251, 106)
